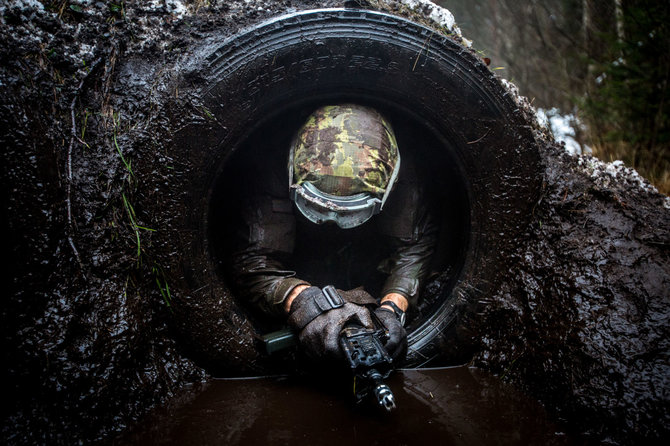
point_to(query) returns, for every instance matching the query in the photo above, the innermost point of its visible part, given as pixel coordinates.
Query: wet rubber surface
(455, 406)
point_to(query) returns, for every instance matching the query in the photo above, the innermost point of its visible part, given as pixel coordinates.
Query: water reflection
(454, 406)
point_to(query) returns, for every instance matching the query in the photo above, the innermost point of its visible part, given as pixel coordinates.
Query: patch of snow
(563, 128)
(175, 7)
(21, 4)
(511, 87)
(606, 174)
(437, 14)
(83, 57)
(617, 169)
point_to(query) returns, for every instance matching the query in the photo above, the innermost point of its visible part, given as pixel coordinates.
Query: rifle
(363, 348)
(369, 361)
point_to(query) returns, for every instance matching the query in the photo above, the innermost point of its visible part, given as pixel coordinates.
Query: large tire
(303, 59)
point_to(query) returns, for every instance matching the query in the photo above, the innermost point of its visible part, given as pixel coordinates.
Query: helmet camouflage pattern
(345, 150)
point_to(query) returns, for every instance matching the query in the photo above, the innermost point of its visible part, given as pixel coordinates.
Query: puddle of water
(455, 406)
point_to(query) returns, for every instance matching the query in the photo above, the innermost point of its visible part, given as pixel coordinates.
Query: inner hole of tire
(437, 165)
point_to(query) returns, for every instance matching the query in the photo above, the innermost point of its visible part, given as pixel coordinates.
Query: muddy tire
(295, 62)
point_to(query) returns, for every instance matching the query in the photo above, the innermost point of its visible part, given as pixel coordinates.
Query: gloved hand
(396, 345)
(319, 319)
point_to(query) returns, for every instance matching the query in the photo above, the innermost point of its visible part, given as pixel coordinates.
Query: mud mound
(583, 321)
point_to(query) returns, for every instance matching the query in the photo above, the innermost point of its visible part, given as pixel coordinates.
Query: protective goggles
(320, 207)
(347, 212)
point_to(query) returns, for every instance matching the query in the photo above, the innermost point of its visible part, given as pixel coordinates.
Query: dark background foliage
(605, 61)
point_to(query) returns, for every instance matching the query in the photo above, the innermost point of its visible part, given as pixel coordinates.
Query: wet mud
(89, 108)
(583, 323)
(455, 406)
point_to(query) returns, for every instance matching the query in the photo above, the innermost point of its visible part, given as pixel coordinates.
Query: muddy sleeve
(409, 224)
(258, 269)
(264, 281)
(409, 264)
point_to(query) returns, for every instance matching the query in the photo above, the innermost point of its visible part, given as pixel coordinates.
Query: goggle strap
(392, 180)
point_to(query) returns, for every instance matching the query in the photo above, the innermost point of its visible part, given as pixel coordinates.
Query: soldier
(336, 197)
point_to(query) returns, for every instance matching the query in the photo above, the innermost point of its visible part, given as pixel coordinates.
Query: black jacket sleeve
(267, 238)
(412, 231)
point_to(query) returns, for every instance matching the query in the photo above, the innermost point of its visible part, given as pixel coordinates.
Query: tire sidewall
(329, 55)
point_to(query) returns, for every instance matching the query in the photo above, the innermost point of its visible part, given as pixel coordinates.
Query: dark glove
(319, 316)
(396, 345)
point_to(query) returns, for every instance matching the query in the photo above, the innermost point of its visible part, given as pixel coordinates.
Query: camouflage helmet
(343, 164)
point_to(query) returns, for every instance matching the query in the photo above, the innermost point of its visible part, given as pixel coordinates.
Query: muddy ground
(580, 320)
(457, 406)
